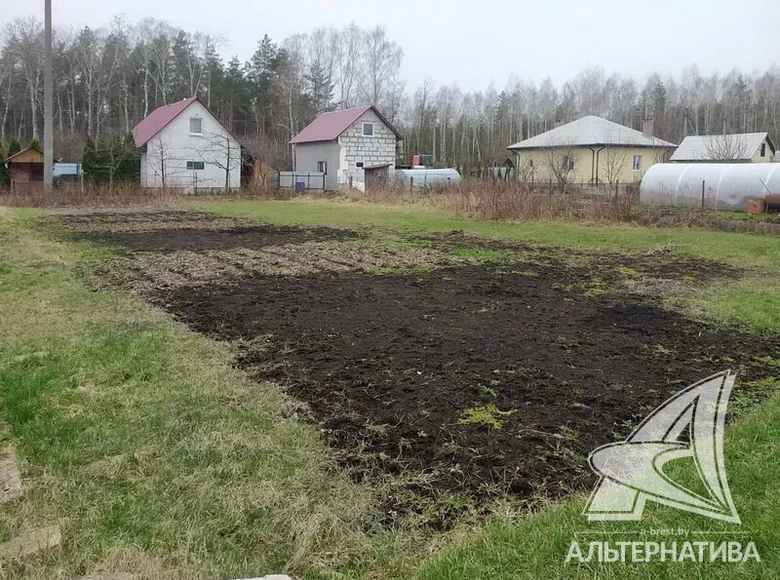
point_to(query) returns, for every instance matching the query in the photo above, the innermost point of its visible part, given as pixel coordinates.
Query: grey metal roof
(589, 131)
(702, 147)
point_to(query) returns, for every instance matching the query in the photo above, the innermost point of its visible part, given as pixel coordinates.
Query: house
(589, 150)
(354, 147)
(184, 146)
(730, 148)
(25, 168)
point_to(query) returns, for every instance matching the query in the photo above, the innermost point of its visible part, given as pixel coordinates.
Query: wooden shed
(26, 167)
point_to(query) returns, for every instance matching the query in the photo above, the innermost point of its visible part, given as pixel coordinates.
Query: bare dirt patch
(475, 381)
(463, 368)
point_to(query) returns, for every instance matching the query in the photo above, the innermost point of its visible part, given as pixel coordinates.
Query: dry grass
(473, 199)
(144, 443)
(89, 196)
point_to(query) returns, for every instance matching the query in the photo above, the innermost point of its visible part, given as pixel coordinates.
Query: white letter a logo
(633, 471)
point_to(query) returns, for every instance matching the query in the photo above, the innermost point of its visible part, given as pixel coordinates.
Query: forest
(108, 79)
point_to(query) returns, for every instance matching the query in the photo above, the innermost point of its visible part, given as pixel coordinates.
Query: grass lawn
(156, 456)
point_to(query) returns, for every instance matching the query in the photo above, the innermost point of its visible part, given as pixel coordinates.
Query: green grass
(146, 445)
(755, 302)
(157, 456)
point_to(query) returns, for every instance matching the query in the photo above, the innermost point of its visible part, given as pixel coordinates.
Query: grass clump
(488, 415)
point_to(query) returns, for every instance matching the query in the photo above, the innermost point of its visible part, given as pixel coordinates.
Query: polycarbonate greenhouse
(428, 177)
(726, 186)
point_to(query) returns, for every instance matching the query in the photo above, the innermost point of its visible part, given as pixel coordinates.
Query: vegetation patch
(488, 415)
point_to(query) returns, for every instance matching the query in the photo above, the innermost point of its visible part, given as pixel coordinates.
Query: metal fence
(302, 181)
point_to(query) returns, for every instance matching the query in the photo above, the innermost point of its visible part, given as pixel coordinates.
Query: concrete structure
(726, 186)
(354, 147)
(733, 148)
(589, 150)
(184, 146)
(25, 168)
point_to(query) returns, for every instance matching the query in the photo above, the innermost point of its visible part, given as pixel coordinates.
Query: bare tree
(222, 151)
(162, 161)
(724, 148)
(26, 46)
(613, 161)
(383, 63)
(561, 164)
(348, 56)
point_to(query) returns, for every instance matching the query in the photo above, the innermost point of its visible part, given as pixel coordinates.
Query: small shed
(25, 167)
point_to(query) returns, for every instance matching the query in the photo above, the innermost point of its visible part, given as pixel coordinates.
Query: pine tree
(130, 170)
(89, 160)
(14, 147)
(35, 144)
(319, 88)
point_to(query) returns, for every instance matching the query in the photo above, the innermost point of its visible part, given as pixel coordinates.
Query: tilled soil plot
(473, 380)
(168, 232)
(460, 382)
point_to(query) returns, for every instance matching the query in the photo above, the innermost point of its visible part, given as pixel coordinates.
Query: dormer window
(196, 126)
(368, 129)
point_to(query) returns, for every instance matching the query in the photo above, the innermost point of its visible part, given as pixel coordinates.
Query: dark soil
(478, 380)
(124, 217)
(389, 365)
(201, 240)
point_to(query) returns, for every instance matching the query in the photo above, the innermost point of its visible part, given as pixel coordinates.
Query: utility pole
(48, 105)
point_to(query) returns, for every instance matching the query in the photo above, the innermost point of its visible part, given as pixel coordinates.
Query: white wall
(308, 155)
(169, 151)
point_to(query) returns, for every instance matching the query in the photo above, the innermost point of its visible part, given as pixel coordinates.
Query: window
(568, 163)
(196, 126)
(359, 164)
(763, 149)
(531, 163)
(637, 162)
(368, 129)
(322, 167)
(195, 166)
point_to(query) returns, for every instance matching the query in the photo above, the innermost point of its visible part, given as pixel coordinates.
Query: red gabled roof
(158, 119)
(329, 126)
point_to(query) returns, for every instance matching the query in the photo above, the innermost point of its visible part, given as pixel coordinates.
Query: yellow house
(589, 150)
(731, 148)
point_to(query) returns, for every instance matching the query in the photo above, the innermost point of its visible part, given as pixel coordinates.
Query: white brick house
(184, 146)
(352, 147)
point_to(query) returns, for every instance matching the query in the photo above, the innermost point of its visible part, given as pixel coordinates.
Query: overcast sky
(475, 43)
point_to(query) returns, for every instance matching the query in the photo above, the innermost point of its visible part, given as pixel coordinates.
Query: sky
(476, 44)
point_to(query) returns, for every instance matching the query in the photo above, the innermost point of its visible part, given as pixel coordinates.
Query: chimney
(648, 127)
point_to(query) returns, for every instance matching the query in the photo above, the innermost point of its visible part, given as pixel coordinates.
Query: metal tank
(427, 177)
(725, 186)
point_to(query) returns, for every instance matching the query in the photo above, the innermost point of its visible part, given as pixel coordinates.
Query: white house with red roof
(184, 146)
(354, 147)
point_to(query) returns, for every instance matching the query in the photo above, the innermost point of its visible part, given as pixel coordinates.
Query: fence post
(617, 189)
(702, 193)
(551, 189)
(411, 186)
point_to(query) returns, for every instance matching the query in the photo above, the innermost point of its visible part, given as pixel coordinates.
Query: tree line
(108, 79)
